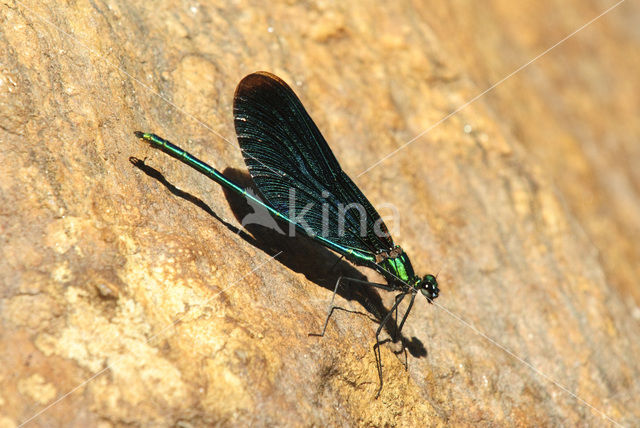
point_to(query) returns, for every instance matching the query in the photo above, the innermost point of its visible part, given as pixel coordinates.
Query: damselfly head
(428, 286)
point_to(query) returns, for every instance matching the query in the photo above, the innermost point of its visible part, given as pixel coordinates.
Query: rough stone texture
(129, 297)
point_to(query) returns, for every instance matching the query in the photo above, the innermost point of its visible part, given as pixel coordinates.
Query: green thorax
(395, 265)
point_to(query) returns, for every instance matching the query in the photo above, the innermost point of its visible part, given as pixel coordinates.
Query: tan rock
(128, 298)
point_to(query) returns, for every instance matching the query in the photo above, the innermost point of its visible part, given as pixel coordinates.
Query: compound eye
(429, 287)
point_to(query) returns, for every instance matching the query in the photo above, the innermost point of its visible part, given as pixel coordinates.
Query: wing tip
(256, 80)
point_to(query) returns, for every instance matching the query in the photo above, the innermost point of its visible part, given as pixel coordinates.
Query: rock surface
(131, 295)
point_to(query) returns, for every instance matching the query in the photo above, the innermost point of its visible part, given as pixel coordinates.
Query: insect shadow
(298, 253)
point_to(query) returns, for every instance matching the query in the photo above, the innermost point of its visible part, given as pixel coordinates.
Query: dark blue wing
(284, 150)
